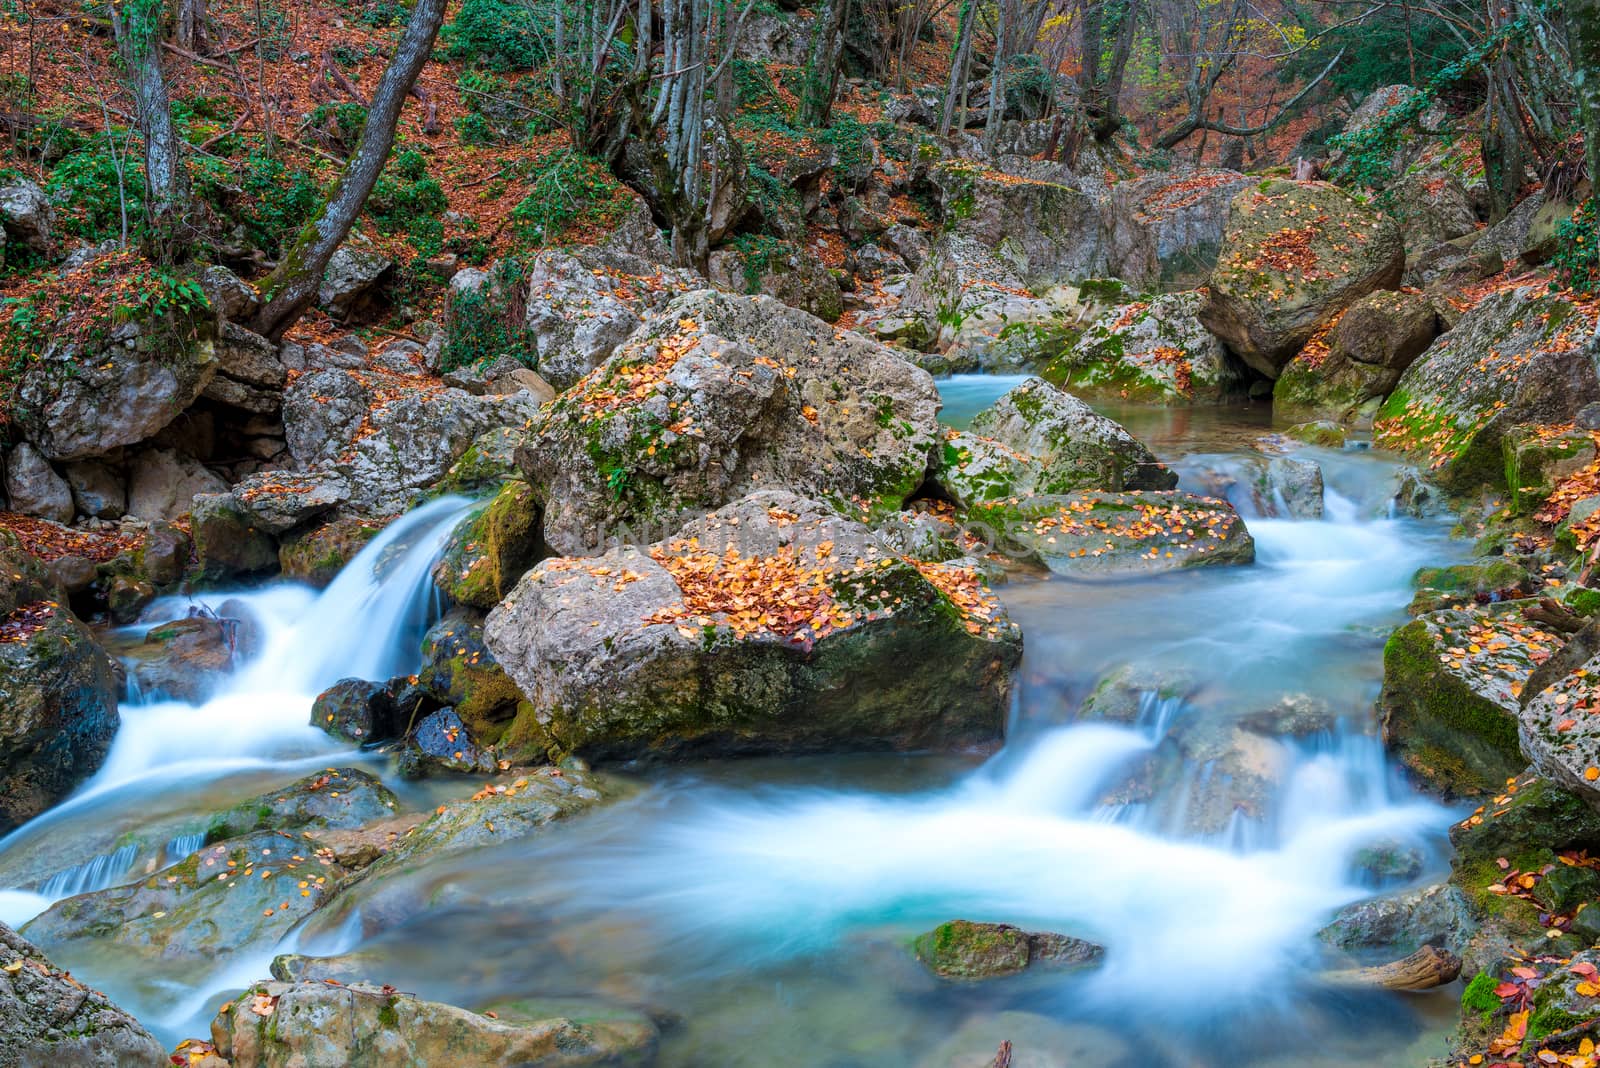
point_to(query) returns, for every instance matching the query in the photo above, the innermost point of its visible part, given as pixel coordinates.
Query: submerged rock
(1403, 922)
(771, 625)
(185, 659)
(244, 891)
(364, 1025)
(962, 949)
(49, 1018)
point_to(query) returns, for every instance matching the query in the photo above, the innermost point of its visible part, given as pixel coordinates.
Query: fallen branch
(1425, 969)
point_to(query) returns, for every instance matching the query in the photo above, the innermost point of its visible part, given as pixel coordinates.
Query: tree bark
(1425, 969)
(822, 69)
(289, 290)
(136, 25)
(1583, 42)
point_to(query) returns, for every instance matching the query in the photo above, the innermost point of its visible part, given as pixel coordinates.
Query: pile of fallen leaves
(52, 541)
(965, 590)
(788, 594)
(26, 621)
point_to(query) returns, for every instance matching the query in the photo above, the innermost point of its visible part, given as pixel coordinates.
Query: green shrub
(490, 322)
(497, 35)
(406, 200)
(569, 189)
(86, 184)
(1577, 258)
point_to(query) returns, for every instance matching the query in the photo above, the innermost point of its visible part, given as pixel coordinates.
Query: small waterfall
(181, 846)
(96, 873)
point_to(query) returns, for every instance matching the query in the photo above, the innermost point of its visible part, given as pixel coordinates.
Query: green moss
(1479, 996)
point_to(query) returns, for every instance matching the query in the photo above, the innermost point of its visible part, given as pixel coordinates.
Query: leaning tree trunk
(1583, 40)
(136, 24)
(289, 290)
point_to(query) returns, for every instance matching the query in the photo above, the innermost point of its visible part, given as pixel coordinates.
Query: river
(763, 906)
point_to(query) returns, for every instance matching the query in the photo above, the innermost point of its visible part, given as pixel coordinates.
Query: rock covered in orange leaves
(1295, 255)
(718, 396)
(770, 625)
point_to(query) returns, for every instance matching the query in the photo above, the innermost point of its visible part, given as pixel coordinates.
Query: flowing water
(763, 906)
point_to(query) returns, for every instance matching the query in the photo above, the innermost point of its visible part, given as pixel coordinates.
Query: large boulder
(1451, 686)
(163, 483)
(353, 283)
(250, 374)
(1295, 255)
(1152, 351)
(27, 217)
(279, 501)
(577, 315)
(1047, 232)
(771, 625)
(58, 692)
(339, 798)
(1521, 356)
(227, 540)
(390, 435)
(49, 1018)
(34, 488)
(1359, 359)
(87, 397)
(718, 396)
(1164, 231)
(973, 308)
(317, 1024)
(1038, 440)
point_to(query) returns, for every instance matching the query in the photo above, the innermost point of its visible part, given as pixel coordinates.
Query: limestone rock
(1164, 231)
(1153, 351)
(34, 488)
(350, 287)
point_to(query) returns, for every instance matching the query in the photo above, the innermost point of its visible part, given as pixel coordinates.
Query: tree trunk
(997, 78)
(1425, 969)
(822, 69)
(136, 24)
(958, 68)
(289, 290)
(1110, 117)
(191, 27)
(1583, 41)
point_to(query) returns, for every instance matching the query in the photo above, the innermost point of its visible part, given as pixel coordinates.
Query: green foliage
(262, 194)
(1577, 257)
(381, 14)
(1378, 51)
(755, 91)
(756, 252)
(339, 125)
(498, 35)
(1479, 996)
(85, 183)
(406, 200)
(489, 322)
(569, 189)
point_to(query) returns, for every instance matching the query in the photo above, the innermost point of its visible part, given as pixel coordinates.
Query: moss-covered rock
(337, 797)
(48, 1017)
(316, 556)
(1153, 352)
(1295, 255)
(1451, 681)
(1445, 587)
(1522, 356)
(460, 671)
(718, 396)
(228, 544)
(962, 949)
(1039, 440)
(492, 549)
(58, 692)
(1360, 358)
(1539, 458)
(783, 628)
(1104, 534)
